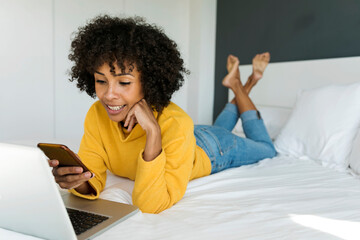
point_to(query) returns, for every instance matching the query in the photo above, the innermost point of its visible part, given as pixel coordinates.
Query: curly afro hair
(132, 41)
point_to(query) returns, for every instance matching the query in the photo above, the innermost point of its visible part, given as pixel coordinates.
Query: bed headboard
(282, 81)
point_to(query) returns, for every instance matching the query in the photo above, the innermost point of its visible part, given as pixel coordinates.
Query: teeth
(116, 108)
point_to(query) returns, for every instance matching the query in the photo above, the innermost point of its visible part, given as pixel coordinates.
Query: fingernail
(78, 170)
(87, 174)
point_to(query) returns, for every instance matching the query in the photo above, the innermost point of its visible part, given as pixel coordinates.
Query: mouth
(115, 109)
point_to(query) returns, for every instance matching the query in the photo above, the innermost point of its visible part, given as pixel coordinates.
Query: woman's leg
(259, 64)
(227, 150)
(244, 104)
(228, 117)
(230, 114)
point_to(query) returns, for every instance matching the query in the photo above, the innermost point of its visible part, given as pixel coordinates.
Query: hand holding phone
(68, 170)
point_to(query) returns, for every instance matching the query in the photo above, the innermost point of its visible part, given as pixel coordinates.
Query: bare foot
(231, 60)
(233, 76)
(259, 63)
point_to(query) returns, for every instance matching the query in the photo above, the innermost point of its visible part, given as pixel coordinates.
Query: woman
(136, 132)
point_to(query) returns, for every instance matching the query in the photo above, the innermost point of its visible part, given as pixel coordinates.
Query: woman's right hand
(71, 177)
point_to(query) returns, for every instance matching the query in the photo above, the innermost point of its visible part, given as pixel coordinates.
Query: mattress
(279, 198)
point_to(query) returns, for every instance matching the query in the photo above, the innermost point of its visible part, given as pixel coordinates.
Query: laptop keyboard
(83, 221)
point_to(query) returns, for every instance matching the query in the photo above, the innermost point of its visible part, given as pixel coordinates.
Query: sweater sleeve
(162, 182)
(93, 155)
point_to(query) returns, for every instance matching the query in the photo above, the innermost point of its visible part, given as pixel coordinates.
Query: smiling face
(119, 91)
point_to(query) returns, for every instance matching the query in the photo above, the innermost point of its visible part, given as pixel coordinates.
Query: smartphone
(63, 154)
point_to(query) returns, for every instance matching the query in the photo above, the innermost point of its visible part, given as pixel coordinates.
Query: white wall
(202, 60)
(71, 106)
(26, 69)
(38, 103)
(173, 17)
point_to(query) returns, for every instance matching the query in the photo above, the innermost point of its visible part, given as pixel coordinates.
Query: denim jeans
(227, 150)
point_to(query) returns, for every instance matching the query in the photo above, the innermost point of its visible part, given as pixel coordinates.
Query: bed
(279, 198)
(311, 190)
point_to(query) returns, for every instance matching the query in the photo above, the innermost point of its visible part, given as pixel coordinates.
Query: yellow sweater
(160, 183)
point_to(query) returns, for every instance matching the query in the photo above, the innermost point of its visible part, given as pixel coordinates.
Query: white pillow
(355, 155)
(323, 125)
(274, 120)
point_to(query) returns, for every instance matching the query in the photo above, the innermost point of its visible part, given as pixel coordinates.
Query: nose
(111, 92)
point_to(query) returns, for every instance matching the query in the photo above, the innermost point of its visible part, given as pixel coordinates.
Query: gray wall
(289, 30)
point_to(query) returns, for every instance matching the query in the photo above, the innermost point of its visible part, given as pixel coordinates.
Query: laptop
(31, 203)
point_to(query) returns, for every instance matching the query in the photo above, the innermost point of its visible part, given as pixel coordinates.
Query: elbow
(153, 207)
(147, 208)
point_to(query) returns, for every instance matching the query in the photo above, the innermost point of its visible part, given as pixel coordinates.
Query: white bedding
(279, 198)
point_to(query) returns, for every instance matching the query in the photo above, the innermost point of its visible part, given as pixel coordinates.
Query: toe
(267, 55)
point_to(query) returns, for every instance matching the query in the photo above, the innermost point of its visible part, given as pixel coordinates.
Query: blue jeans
(227, 150)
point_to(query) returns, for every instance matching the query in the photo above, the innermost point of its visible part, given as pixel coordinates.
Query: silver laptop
(31, 203)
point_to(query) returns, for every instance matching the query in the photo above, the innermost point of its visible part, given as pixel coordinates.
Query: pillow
(355, 155)
(274, 119)
(323, 125)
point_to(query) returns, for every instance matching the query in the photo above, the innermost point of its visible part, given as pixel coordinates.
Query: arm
(165, 164)
(93, 156)
(153, 143)
(142, 113)
(160, 183)
(85, 189)
(71, 177)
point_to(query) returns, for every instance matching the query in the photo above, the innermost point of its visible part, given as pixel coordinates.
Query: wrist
(154, 130)
(85, 188)
(153, 144)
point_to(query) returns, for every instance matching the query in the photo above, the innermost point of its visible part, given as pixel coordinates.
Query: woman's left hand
(141, 113)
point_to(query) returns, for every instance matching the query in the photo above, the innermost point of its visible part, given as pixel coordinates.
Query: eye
(124, 83)
(100, 81)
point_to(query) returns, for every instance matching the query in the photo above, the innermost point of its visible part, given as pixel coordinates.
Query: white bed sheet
(279, 198)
